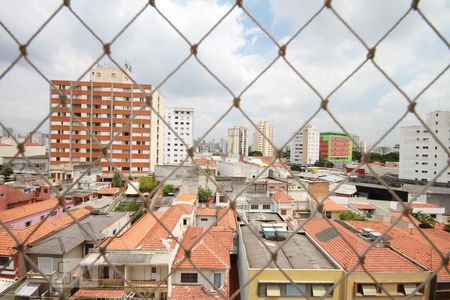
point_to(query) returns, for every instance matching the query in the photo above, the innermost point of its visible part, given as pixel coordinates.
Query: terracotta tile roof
(423, 205)
(31, 144)
(366, 206)
(4, 145)
(147, 233)
(402, 217)
(192, 292)
(184, 197)
(330, 205)
(108, 191)
(27, 210)
(131, 238)
(212, 252)
(98, 293)
(376, 260)
(228, 221)
(412, 244)
(7, 243)
(205, 162)
(282, 197)
(206, 211)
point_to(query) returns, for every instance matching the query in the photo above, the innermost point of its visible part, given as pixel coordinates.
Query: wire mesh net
(63, 101)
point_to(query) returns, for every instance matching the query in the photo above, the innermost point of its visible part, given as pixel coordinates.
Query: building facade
(104, 105)
(182, 122)
(238, 140)
(336, 147)
(263, 140)
(421, 157)
(305, 146)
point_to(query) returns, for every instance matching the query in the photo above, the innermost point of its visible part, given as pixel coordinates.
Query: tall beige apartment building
(238, 140)
(105, 105)
(262, 143)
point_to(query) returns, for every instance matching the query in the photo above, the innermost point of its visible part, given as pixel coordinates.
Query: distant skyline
(237, 51)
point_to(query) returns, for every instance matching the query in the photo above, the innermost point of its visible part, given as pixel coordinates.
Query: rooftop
(72, 236)
(186, 292)
(333, 241)
(363, 206)
(31, 234)
(282, 197)
(259, 200)
(413, 244)
(299, 253)
(212, 251)
(147, 232)
(89, 294)
(330, 205)
(108, 191)
(27, 210)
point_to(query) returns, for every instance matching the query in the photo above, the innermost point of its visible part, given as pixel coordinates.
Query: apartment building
(104, 105)
(262, 141)
(421, 157)
(336, 147)
(182, 122)
(238, 140)
(305, 146)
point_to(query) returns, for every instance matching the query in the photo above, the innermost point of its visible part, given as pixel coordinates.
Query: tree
(382, 150)
(287, 154)
(323, 163)
(425, 220)
(168, 189)
(7, 171)
(296, 168)
(356, 155)
(255, 153)
(117, 180)
(203, 194)
(391, 156)
(351, 216)
(146, 184)
(329, 164)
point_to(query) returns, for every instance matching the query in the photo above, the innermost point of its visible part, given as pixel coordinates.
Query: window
(53, 213)
(163, 296)
(28, 223)
(217, 280)
(42, 217)
(266, 206)
(254, 206)
(408, 289)
(294, 290)
(204, 219)
(189, 277)
(45, 264)
(328, 214)
(4, 261)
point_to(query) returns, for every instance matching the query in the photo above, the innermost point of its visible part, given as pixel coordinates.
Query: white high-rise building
(238, 140)
(305, 146)
(421, 157)
(260, 142)
(181, 120)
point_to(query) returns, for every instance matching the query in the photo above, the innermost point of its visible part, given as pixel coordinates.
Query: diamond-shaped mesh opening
(332, 61)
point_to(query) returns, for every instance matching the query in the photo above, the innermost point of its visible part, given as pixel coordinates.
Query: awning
(132, 188)
(369, 289)
(409, 288)
(318, 290)
(28, 289)
(273, 290)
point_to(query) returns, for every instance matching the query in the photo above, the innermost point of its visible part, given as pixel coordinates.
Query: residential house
(12, 195)
(58, 255)
(15, 265)
(27, 215)
(414, 245)
(284, 204)
(143, 255)
(210, 253)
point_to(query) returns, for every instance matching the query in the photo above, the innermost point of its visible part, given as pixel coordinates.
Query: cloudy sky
(237, 51)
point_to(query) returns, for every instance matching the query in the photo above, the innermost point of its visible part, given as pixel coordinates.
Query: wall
(117, 226)
(307, 276)
(201, 278)
(210, 221)
(36, 218)
(390, 280)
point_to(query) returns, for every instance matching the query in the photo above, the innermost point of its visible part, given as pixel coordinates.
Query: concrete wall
(206, 221)
(300, 276)
(389, 281)
(201, 278)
